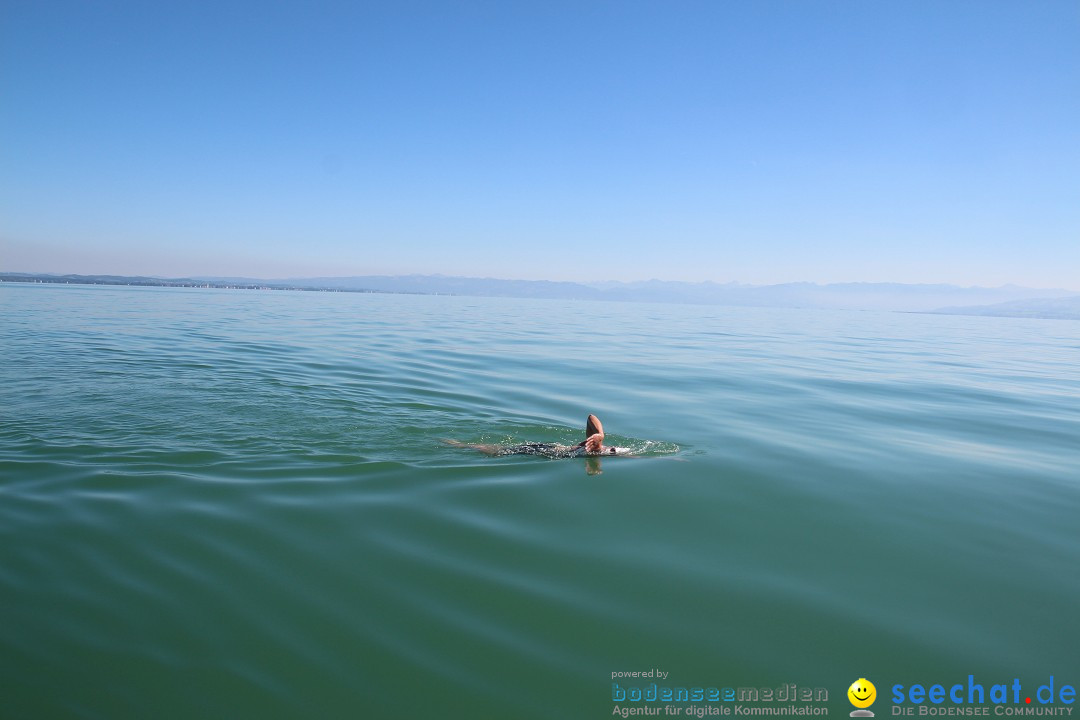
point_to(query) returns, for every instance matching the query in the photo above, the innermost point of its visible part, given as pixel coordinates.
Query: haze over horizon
(597, 283)
(758, 143)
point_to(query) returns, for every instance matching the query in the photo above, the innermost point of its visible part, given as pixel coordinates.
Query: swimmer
(591, 446)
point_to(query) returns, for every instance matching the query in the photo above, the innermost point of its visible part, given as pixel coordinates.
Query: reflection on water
(239, 504)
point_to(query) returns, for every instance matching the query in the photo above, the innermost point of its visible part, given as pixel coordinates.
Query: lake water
(237, 504)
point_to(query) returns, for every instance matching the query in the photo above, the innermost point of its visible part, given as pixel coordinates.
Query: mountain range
(1007, 300)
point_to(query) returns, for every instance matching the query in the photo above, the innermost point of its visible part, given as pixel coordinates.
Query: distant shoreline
(938, 299)
(172, 283)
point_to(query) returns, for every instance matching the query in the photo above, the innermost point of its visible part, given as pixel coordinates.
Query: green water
(236, 504)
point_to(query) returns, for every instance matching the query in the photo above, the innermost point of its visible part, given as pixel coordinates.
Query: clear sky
(757, 141)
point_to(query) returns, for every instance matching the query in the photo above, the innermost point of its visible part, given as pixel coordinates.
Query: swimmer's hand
(595, 443)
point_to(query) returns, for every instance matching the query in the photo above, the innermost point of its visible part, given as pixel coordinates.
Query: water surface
(237, 504)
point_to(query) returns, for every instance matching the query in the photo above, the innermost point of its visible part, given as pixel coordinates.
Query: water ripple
(247, 493)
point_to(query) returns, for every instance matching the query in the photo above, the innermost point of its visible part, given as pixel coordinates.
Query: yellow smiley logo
(862, 693)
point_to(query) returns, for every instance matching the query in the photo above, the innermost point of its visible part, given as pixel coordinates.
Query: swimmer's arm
(594, 443)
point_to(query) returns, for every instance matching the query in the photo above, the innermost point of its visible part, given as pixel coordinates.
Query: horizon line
(737, 283)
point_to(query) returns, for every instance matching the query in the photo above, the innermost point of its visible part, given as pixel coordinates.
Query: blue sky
(755, 141)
